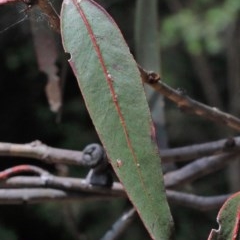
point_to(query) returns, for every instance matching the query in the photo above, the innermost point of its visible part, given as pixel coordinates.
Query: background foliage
(199, 53)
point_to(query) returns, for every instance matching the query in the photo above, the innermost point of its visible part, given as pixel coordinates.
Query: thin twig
(200, 150)
(197, 169)
(38, 150)
(7, 173)
(41, 195)
(38, 189)
(199, 203)
(186, 174)
(120, 225)
(63, 183)
(189, 105)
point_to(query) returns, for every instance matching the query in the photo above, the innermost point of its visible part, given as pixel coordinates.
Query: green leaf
(111, 85)
(229, 220)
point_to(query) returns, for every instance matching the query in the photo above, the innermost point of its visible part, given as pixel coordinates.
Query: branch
(48, 188)
(187, 104)
(38, 150)
(196, 202)
(40, 195)
(186, 174)
(63, 183)
(197, 169)
(51, 188)
(199, 150)
(21, 169)
(120, 225)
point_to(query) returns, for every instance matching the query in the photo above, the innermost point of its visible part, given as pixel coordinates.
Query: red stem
(21, 169)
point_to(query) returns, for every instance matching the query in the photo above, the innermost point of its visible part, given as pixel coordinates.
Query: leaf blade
(110, 82)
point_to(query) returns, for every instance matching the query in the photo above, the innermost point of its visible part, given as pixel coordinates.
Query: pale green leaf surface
(111, 85)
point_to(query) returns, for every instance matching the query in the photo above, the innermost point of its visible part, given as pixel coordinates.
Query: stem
(189, 105)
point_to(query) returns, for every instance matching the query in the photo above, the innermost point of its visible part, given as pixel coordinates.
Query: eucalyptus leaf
(112, 89)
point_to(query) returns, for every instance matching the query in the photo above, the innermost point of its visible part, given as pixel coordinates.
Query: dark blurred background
(199, 52)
